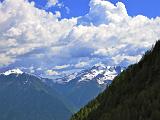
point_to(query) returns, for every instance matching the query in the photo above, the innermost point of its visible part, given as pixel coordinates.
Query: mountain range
(102, 92)
(30, 97)
(133, 95)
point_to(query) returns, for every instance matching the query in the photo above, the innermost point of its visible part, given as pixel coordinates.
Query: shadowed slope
(133, 95)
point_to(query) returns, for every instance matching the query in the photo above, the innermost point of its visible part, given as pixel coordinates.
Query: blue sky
(149, 8)
(34, 36)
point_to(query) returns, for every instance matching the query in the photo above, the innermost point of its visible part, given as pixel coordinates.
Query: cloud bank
(107, 34)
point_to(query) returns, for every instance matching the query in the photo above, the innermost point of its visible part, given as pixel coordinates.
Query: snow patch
(13, 71)
(100, 73)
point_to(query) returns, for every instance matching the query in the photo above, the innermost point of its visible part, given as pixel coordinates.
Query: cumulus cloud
(51, 3)
(25, 28)
(107, 33)
(5, 59)
(81, 64)
(51, 72)
(104, 12)
(61, 67)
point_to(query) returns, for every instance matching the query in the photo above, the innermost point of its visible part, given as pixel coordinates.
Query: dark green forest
(133, 95)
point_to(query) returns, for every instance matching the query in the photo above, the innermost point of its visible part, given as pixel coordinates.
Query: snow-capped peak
(100, 73)
(13, 71)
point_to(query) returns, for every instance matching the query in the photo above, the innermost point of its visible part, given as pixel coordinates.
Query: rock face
(133, 95)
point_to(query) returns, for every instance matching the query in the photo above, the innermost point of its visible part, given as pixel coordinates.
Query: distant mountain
(133, 95)
(79, 88)
(99, 73)
(27, 97)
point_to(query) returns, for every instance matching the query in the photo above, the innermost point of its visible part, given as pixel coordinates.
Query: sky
(149, 8)
(53, 37)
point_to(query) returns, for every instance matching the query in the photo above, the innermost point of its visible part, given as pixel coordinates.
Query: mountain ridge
(100, 73)
(26, 97)
(133, 95)
(80, 87)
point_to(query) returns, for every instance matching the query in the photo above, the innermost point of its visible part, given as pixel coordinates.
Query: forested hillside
(133, 95)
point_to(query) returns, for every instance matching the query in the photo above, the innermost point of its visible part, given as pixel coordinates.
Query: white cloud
(81, 64)
(61, 67)
(124, 58)
(51, 72)
(67, 10)
(25, 28)
(104, 12)
(51, 3)
(101, 52)
(5, 59)
(31, 69)
(107, 32)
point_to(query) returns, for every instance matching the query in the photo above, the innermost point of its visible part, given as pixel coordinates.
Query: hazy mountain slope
(26, 97)
(133, 95)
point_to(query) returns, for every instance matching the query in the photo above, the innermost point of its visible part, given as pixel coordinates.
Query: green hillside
(133, 95)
